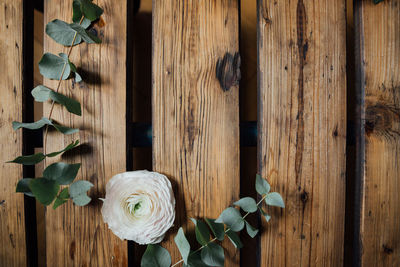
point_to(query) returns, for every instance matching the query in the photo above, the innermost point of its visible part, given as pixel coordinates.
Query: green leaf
(23, 187)
(202, 232)
(62, 32)
(213, 255)
(155, 256)
(266, 216)
(217, 228)
(377, 1)
(89, 10)
(182, 244)
(234, 238)
(251, 230)
(51, 66)
(29, 160)
(194, 260)
(61, 172)
(42, 93)
(40, 123)
(61, 198)
(31, 125)
(247, 204)
(77, 192)
(84, 34)
(36, 158)
(232, 218)
(274, 199)
(262, 186)
(44, 190)
(67, 148)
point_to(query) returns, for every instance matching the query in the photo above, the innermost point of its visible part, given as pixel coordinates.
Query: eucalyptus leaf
(31, 125)
(84, 34)
(217, 228)
(266, 216)
(88, 9)
(232, 218)
(194, 260)
(78, 190)
(62, 32)
(40, 123)
(36, 158)
(23, 187)
(262, 186)
(67, 148)
(182, 244)
(44, 190)
(234, 238)
(202, 232)
(247, 204)
(274, 199)
(42, 93)
(213, 255)
(251, 230)
(61, 198)
(52, 66)
(29, 160)
(155, 256)
(61, 172)
(377, 1)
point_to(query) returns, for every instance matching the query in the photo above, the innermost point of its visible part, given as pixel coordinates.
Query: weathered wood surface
(12, 226)
(77, 236)
(379, 85)
(195, 122)
(302, 129)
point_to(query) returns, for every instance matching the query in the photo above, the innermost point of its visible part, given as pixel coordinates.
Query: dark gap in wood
(138, 100)
(28, 145)
(355, 140)
(248, 150)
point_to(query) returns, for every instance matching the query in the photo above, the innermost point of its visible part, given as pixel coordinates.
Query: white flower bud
(139, 206)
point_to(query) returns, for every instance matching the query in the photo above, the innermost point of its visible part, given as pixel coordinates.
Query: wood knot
(382, 120)
(228, 71)
(304, 197)
(387, 250)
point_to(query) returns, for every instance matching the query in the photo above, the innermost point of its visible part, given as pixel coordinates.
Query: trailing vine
(57, 182)
(209, 231)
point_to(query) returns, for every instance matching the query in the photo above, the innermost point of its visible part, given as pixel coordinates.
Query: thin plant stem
(58, 88)
(214, 239)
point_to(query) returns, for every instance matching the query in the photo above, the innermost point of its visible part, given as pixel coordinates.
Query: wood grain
(379, 85)
(12, 218)
(195, 122)
(77, 236)
(302, 129)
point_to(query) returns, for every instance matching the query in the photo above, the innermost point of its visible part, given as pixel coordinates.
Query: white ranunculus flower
(139, 206)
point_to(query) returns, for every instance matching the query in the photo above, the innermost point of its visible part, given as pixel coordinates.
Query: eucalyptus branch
(228, 224)
(215, 239)
(58, 87)
(48, 189)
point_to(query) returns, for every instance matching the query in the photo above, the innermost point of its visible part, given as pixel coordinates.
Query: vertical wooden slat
(12, 218)
(195, 122)
(77, 236)
(379, 150)
(302, 129)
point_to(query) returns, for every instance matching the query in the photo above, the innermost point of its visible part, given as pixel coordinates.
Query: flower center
(138, 205)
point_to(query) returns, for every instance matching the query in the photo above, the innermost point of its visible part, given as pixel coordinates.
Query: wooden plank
(195, 122)
(12, 218)
(302, 129)
(77, 236)
(379, 86)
